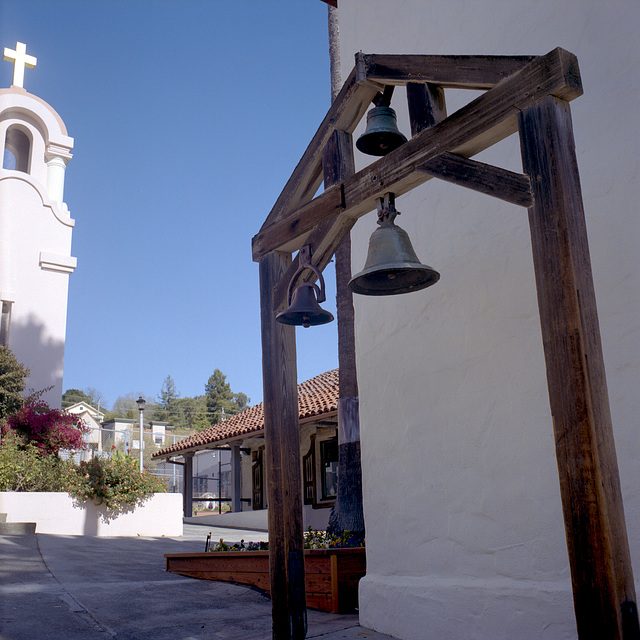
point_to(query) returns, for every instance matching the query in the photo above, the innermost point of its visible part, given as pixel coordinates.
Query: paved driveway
(89, 588)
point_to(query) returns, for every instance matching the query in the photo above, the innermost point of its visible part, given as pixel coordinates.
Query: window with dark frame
(329, 468)
(309, 473)
(257, 476)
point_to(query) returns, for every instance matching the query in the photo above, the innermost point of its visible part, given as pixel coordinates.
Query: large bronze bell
(392, 265)
(304, 301)
(382, 135)
(304, 309)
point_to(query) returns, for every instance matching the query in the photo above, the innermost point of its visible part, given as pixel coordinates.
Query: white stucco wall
(465, 535)
(35, 241)
(58, 513)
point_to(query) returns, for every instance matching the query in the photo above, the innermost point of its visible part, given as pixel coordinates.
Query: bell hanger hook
(304, 300)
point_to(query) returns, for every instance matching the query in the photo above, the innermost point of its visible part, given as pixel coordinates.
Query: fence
(211, 468)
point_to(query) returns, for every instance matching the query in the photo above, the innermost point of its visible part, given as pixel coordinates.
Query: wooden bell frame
(528, 95)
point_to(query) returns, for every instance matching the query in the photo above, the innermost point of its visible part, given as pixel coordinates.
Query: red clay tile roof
(316, 397)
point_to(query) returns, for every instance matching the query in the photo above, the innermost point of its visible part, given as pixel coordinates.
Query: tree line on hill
(186, 414)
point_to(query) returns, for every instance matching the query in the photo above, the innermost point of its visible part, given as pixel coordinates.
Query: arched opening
(17, 149)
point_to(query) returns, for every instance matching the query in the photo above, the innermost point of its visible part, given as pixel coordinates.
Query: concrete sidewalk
(89, 588)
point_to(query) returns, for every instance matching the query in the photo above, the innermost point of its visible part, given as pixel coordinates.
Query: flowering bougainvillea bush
(115, 482)
(313, 539)
(46, 428)
(32, 436)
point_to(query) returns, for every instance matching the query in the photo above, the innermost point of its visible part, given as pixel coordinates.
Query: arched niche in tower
(17, 149)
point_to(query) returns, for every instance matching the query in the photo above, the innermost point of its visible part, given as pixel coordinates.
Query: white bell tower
(35, 230)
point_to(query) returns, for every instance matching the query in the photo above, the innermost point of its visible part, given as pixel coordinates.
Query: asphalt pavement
(56, 587)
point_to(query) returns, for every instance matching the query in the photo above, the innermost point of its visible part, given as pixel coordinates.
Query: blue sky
(188, 117)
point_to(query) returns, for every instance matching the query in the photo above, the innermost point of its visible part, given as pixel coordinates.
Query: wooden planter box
(331, 575)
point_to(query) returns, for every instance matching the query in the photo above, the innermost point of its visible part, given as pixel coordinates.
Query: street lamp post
(141, 403)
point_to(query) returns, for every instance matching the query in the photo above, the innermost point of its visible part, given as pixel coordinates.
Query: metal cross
(20, 60)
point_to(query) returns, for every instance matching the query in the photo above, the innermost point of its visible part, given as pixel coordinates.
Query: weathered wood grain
(589, 482)
(283, 477)
(463, 72)
(427, 106)
(486, 120)
(323, 236)
(511, 187)
(344, 114)
(312, 214)
(331, 575)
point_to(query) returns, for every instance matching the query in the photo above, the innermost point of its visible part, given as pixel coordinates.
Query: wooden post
(187, 485)
(426, 105)
(283, 474)
(603, 588)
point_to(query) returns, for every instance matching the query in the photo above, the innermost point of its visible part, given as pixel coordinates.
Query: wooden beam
(426, 108)
(426, 104)
(602, 578)
(486, 120)
(463, 72)
(323, 240)
(284, 229)
(369, 75)
(483, 122)
(283, 477)
(485, 178)
(344, 114)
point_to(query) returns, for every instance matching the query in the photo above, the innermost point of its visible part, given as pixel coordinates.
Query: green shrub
(24, 468)
(115, 482)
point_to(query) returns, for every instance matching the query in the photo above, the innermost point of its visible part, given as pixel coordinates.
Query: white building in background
(92, 419)
(465, 535)
(35, 231)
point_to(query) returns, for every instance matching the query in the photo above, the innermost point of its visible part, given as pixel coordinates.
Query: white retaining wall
(58, 513)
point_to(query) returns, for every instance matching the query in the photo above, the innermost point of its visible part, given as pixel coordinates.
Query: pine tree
(167, 402)
(221, 401)
(219, 396)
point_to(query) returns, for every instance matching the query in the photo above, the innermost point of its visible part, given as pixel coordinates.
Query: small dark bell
(304, 309)
(382, 135)
(392, 265)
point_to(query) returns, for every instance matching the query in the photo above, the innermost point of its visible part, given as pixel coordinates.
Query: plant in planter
(313, 539)
(333, 567)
